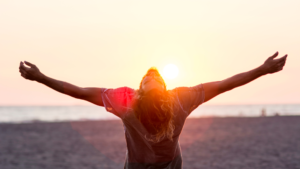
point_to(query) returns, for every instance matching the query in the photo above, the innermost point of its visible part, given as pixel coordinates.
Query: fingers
(23, 70)
(274, 56)
(23, 73)
(283, 58)
(23, 67)
(281, 63)
(29, 64)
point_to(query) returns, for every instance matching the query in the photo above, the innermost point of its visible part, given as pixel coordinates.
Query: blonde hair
(156, 112)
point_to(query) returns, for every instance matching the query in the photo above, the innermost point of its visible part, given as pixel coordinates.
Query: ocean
(28, 114)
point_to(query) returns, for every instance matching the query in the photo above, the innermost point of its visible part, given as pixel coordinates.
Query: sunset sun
(170, 71)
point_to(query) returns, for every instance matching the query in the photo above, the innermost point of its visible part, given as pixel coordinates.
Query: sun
(170, 71)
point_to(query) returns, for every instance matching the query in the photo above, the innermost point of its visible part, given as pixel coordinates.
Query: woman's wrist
(262, 70)
(41, 78)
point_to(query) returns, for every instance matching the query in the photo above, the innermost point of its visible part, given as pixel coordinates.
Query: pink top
(142, 153)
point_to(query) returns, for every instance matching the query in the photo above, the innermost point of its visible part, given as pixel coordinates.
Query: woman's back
(141, 151)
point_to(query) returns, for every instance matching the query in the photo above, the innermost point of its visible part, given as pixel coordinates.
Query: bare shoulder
(95, 95)
(211, 90)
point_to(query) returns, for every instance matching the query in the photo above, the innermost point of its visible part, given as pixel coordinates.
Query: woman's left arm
(90, 94)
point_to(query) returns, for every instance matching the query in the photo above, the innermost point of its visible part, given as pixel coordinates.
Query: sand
(207, 143)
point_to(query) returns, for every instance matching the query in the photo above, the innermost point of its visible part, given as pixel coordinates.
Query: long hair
(155, 111)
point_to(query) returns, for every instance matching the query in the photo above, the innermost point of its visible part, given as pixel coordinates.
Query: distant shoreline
(117, 119)
(32, 114)
(204, 104)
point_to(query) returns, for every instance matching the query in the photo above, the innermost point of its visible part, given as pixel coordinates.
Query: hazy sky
(113, 43)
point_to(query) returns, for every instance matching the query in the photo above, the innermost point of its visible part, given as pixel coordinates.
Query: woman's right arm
(90, 94)
(271, 65)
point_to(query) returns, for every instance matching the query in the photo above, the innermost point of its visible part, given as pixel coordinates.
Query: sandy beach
(206, 143)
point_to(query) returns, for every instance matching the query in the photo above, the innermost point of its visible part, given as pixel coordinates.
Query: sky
(113, 43)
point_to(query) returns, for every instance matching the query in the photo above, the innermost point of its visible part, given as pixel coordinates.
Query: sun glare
(170, 71)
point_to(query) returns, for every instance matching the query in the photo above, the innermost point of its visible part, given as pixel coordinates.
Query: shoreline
(117, 119)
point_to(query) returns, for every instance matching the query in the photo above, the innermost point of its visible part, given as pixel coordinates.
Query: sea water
(24, 114)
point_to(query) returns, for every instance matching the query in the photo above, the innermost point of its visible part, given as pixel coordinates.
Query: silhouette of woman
(153, 116)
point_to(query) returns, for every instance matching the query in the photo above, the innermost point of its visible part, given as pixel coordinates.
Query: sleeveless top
(142, 153)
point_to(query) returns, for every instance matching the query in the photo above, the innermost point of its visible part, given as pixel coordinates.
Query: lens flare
(170, 71)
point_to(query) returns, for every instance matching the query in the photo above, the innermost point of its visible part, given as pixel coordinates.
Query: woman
(153, 116)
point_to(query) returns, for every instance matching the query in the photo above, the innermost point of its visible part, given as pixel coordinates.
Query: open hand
(31, 72)
(273, 65)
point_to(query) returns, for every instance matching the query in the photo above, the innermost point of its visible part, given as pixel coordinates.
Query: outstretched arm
(271, 65)
(32, 72)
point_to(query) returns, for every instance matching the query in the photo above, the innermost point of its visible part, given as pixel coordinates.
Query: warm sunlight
(170, 71)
